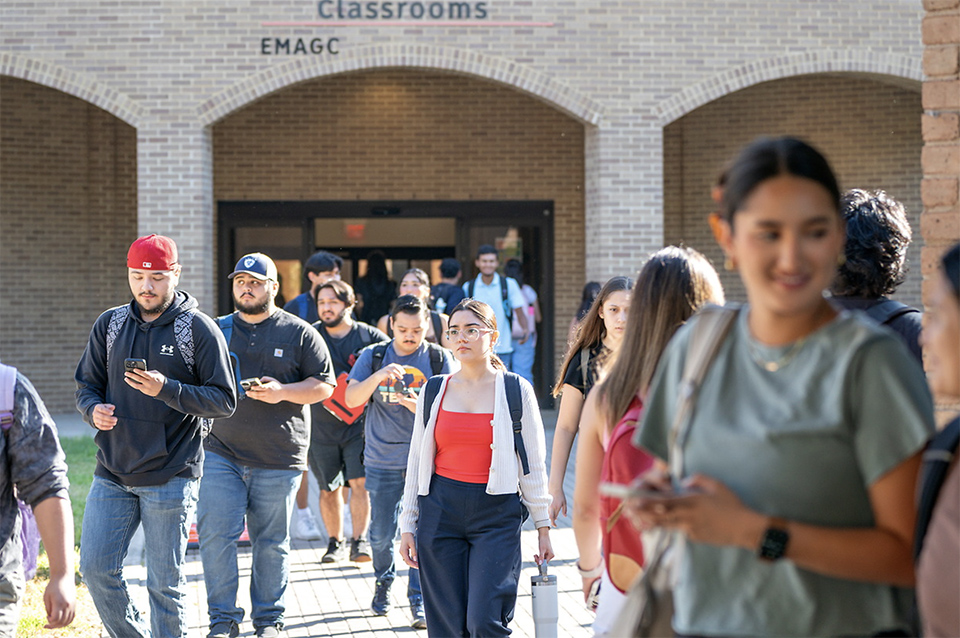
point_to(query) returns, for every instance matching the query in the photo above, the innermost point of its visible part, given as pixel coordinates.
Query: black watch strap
(773, 543)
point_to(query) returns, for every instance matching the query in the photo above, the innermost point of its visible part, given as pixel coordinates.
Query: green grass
(81, 455)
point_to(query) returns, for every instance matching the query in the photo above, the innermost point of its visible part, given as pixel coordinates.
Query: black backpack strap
(226, 327)
(436, 357)
(936, 464)
(504, 293)
(437, 325)
(430, 392)
(379, 351)
(886, 311)
(511, 383)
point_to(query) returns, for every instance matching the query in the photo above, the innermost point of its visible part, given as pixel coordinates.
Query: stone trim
(500, 70)
(823, 61)
(72, 83)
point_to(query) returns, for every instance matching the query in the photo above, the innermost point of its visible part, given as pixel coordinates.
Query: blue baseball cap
(257, 265)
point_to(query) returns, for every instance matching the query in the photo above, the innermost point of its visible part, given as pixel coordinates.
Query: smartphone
(622, 491)
(135, 364)
(253, 382)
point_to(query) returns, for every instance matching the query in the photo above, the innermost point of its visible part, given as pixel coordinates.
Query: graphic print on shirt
(392, 389)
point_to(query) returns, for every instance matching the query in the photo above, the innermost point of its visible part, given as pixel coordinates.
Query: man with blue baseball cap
(255, 458)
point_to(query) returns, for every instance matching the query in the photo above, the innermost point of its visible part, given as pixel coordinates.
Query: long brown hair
(671, 287)
(487, 317)
(591, 330)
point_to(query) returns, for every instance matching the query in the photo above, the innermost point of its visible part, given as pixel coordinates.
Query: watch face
(774, 544)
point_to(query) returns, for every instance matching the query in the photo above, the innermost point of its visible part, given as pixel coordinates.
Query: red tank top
(464, 445)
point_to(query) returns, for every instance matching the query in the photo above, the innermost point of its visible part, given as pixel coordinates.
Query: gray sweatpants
(11, 586)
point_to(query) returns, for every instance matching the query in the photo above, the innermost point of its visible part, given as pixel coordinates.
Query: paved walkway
(335, 600)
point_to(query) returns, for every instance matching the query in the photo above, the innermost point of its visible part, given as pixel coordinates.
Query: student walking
(671, 287)
(598, 336)
(390, 376)
(153, 371)
(524, 353)
(800, 458)
(462, 511)
(255, 458)
(416, 282)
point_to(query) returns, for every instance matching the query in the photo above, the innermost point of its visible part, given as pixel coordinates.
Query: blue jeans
(112, 514)
(386, 492)
(227, 493)
(523, 354)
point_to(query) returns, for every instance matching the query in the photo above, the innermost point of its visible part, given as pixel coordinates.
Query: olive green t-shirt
(803, 443)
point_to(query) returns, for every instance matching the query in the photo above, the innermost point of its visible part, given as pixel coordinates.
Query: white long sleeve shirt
(506, 472)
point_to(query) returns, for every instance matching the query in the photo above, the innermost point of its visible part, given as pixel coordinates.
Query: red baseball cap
(152, 252)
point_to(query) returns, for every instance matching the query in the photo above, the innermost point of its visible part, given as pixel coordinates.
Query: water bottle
(546, 611)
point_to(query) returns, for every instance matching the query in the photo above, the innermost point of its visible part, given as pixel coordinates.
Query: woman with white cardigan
(466, 491)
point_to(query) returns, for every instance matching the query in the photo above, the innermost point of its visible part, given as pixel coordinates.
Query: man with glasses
(390, 377)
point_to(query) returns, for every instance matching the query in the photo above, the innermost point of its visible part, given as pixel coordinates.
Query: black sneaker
(335, 551)
(360, 550)
(381, 598)
(224, 629)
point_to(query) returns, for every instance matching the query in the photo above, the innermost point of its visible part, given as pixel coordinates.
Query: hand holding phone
(623, 491)
(135, 364)
(252, 382)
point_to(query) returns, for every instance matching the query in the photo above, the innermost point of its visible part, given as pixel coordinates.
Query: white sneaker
(306, 528)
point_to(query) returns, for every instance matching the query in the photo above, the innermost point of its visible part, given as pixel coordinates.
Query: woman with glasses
(462, 511)
(417, 283)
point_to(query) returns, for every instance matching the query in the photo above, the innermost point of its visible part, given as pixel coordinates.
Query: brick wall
(410, 134)
(68, 192)
(869, 131)
(940, 160)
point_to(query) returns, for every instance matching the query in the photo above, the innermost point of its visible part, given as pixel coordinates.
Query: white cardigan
(506, 472)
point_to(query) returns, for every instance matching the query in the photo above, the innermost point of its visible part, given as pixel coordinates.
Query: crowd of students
(797, 474)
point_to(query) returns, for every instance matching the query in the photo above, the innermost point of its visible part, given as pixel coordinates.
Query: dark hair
(590, 292)
(420, 274)
(411, 305)
(672, 285)
(487, 317)
(322, 261)
(341, 289)
(513, 268)
(591, 331)
(376, 266)
(449, 268)
(950, 263)
(878, 234)
(767, 158)
(487, 249)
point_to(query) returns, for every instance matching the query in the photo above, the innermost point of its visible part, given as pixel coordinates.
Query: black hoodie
(156, 438)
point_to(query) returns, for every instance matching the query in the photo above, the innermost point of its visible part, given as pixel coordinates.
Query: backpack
(888, 310)
(182, 332)
(29, 534)
(936, 464)
(511, 384)
(507, 308)
(226, 327)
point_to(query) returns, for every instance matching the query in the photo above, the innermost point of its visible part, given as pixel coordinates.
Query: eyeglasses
(471, 334)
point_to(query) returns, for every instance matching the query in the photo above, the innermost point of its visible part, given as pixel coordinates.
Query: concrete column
(175, 198)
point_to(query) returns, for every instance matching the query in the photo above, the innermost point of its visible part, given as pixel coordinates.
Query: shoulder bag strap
(430, 392)
(8, 382)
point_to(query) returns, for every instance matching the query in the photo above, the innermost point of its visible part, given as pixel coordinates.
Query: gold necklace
(773, 366)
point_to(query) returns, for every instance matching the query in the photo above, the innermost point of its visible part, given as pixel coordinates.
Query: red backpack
(622, 462)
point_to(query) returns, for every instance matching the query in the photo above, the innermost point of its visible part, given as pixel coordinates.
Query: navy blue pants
(468, 546)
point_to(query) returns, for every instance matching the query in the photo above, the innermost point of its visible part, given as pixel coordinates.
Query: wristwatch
(773, 543)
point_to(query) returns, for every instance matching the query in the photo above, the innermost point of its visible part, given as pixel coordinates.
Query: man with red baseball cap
(153, 373)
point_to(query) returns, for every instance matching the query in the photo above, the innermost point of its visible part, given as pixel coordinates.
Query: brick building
(578, 135)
